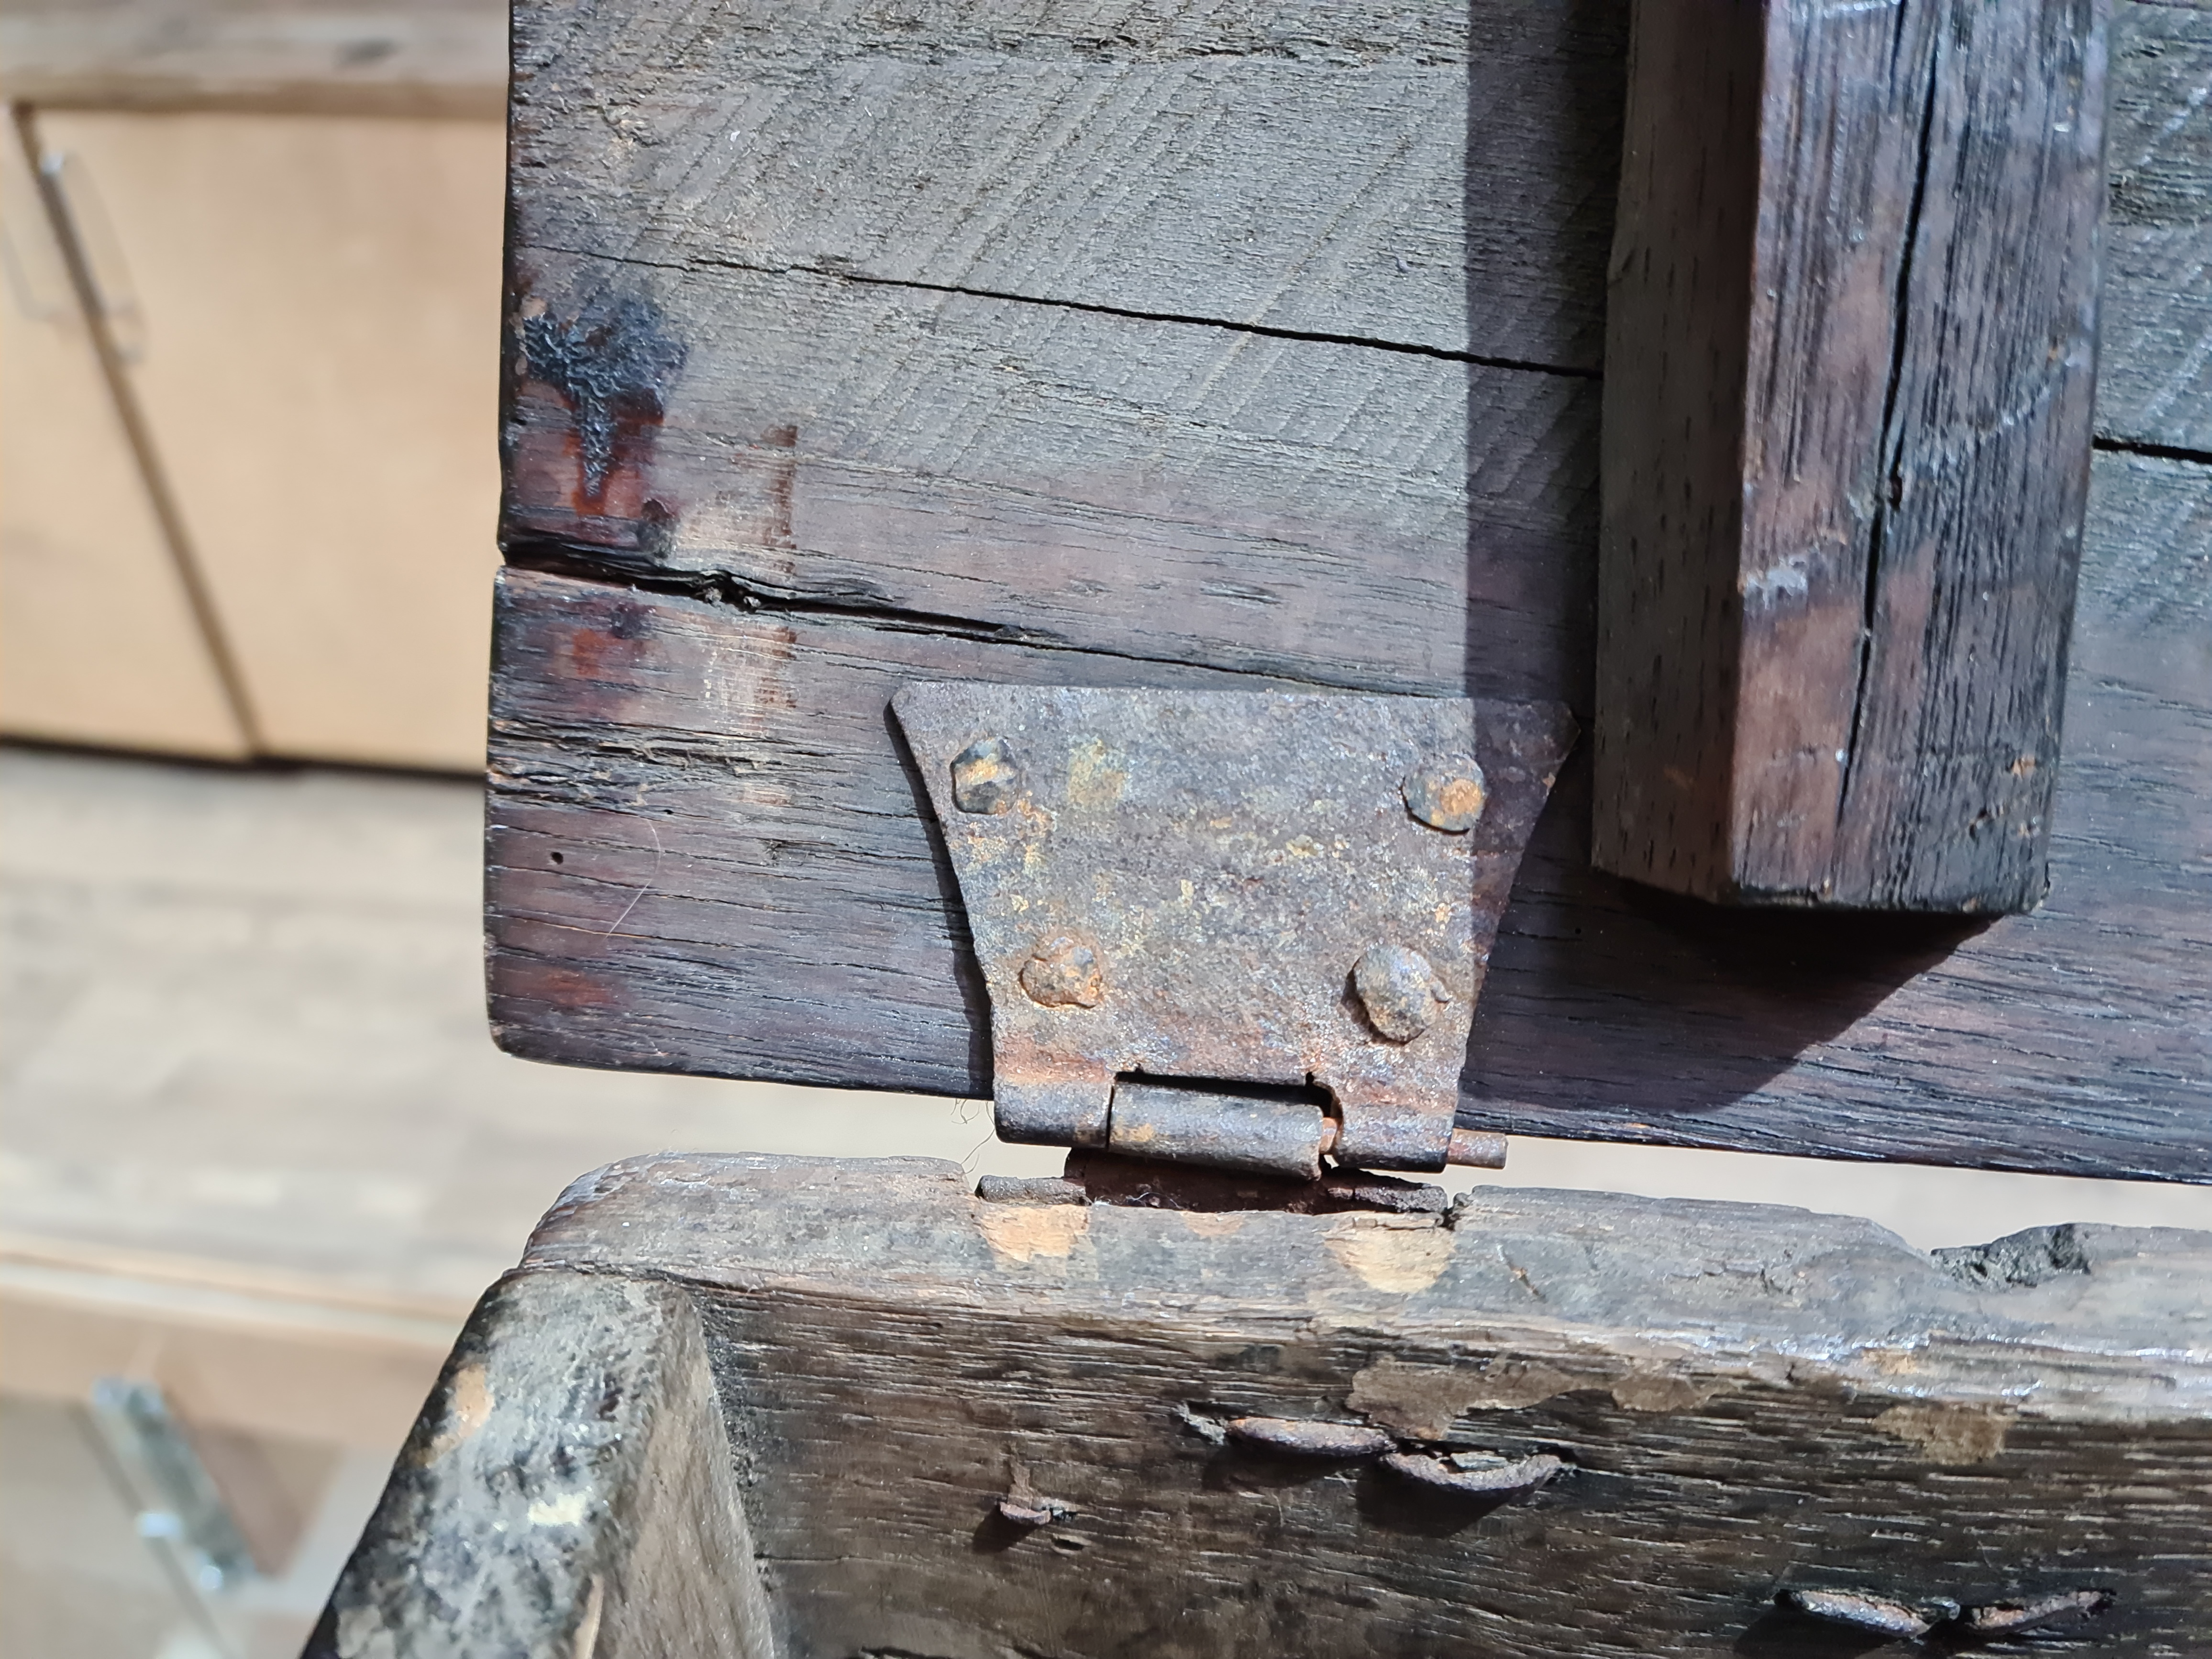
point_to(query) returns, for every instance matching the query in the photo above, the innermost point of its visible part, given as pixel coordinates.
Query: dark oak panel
(744, 887)
(891, 1357)
(1324, 511)
(1440, 177)
(2154, 379)
(1301, 166)
(832, 479)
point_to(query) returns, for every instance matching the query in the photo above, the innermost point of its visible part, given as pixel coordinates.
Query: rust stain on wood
(591, 394)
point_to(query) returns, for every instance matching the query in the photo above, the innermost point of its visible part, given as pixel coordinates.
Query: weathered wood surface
(430, 57)
(826, 475)
(1851, 360)
(1439, 177)
(704, 856)
(567, 1492)
(1748, 1400)
(1301, 166)
(2154, 379)
(1096, 483)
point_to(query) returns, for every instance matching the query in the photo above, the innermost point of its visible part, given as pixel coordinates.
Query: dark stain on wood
(611, 365)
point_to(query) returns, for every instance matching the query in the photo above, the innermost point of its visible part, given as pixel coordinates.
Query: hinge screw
(1447, 794)
(986, 777)
(1062, 972)
(1398, 988)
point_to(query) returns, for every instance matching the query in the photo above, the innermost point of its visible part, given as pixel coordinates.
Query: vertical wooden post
(1849, 364)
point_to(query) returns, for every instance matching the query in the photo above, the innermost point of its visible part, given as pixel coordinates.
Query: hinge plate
(1270, 890)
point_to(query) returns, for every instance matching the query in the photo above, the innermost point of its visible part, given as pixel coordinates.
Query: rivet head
(1062, 972)
(1399, 990)
(1447, 794)
(986, 777)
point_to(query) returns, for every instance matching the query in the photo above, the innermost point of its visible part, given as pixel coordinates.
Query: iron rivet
(986, 777)
(1447, 794)
(1062, 972)
(1398, 988)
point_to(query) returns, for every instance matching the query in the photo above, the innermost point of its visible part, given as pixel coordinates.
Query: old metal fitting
(1470, 1149)
(1188, 906)
(1225, 1131)
(1877, 1615)
(1296, 1437)
(986, 777)
(1475, 1475)
(2009, 1618)
(1062, 972)
(1447, 794)
(1399, 990)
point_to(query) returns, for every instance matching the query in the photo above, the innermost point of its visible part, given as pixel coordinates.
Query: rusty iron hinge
(1243, 929)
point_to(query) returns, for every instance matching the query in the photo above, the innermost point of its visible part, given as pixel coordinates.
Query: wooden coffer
(1265, 348)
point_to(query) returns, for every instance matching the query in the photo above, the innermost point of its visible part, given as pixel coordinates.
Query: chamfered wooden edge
(1626, 1292)
(1848, 418)
(568, 1488)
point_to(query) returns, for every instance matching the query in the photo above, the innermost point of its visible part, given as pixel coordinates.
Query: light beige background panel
(319, 305)
(98, 643)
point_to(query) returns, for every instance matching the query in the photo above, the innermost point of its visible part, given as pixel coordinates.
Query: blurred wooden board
(791, 1393)
(257, 1351)
(258, 1148)
(313, 308)
(389, 57)
(88, 582)
(2154, 383)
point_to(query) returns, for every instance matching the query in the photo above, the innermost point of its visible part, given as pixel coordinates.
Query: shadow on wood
(1735, 998)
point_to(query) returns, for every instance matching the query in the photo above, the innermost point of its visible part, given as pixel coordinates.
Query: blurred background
(258, 1154)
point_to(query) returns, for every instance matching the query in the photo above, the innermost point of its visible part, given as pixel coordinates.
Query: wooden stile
(1852, 352)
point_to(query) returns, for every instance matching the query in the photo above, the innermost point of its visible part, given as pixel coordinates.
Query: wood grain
(791, 488)
(1849, 381)
(893, 1356)
(1441, 178)
(1302, 167)
(1101, 483)
(567, 1491)
(2154, 381)
(743, 888)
